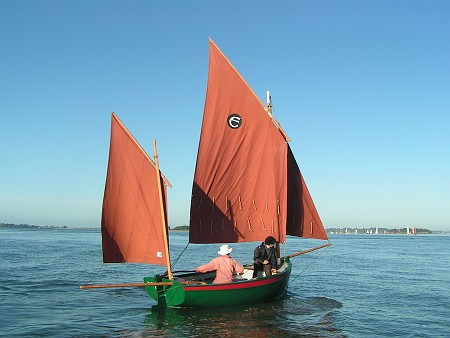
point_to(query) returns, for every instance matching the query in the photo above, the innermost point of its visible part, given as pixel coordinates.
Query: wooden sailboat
(247, 186)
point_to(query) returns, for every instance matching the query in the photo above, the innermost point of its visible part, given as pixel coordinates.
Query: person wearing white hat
(224, 266)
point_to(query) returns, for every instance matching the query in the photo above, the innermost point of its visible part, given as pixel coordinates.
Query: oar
(125, 285)
(309, 250)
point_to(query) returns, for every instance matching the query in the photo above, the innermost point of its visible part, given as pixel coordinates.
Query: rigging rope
(308, 265)
(95, 274)
(179, 256)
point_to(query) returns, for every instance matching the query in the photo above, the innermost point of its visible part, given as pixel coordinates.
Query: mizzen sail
(132, 221)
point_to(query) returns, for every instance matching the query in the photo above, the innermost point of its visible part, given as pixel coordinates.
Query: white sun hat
(224, 250)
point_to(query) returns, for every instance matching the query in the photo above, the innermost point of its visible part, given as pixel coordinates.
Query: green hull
(210, 295)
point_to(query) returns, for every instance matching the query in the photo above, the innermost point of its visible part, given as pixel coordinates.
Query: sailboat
(247, 186)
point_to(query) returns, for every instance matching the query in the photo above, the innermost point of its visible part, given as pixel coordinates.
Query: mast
(268, 109)
(269, 112)
(269, 104)
(163, 211)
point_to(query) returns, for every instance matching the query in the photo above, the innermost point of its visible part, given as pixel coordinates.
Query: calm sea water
(362, 286)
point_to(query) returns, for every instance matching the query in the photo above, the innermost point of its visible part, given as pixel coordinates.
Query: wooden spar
(309, 250)
(139, 146)
(125, 285)
(163, 211)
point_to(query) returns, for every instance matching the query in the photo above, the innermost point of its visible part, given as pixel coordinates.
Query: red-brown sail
(303, 220)
(132, 224)
(240, 190)
(240, 176)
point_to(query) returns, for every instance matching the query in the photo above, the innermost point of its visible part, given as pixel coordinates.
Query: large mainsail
(240, 176)
(132, 224)
(303, 220)
(240, 191)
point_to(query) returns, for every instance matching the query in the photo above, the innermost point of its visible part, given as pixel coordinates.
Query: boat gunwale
(242, 284)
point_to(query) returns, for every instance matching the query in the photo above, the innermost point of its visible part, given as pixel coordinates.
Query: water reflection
(288, 317)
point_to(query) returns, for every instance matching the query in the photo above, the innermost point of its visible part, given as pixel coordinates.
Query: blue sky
(361, 87)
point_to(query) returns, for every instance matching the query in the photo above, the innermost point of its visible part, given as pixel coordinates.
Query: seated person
(224, 265)
(265, 257)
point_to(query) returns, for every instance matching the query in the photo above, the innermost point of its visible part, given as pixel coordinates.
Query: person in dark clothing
(265, 257)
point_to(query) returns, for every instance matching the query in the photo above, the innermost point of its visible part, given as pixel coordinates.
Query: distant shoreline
(54, 227)
(184, 228)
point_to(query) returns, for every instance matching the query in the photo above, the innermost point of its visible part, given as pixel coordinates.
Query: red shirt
(224, 266)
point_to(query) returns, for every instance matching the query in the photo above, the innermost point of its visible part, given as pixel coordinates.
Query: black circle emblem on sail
(234, 121)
